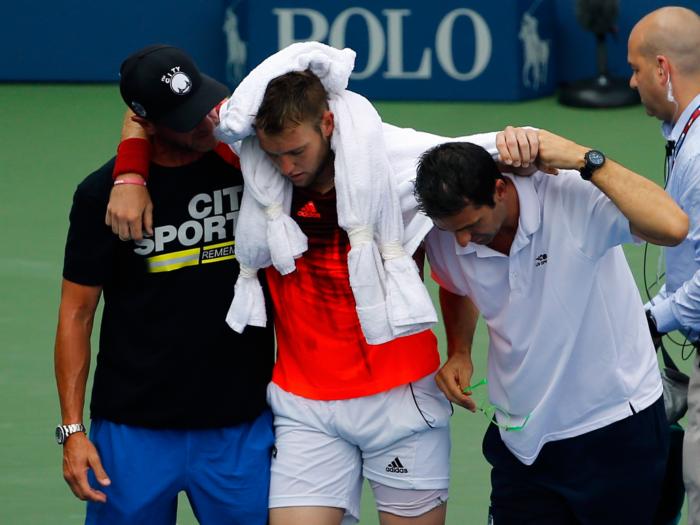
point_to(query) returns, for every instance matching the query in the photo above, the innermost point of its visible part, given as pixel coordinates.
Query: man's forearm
(72, 353)
(131, 129)
(652, 213)
(72, 365)
(460, 317)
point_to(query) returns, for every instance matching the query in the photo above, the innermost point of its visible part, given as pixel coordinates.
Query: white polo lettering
(285, 25)
(482, 44)
(395, 47)
(390, 43)
(376, 39)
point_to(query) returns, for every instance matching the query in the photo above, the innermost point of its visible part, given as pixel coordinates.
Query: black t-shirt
(167, 358)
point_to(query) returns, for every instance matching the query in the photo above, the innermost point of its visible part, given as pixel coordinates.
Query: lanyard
(681, 138)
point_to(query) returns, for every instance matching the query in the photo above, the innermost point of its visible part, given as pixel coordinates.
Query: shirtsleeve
(89, 247)
(436, 245)
(681, 309)
(595, 223)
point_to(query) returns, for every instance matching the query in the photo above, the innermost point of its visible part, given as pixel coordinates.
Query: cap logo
(138, 109)
(179, 82)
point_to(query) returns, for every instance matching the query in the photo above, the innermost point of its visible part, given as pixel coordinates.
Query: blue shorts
(225, 473)
(608, 476)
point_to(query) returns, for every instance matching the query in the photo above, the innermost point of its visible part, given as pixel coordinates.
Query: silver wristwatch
(63, 431)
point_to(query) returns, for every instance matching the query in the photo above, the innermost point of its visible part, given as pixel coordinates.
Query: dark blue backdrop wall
(407, 49)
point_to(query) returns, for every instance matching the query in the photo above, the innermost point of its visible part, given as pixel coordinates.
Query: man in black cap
(178, 400)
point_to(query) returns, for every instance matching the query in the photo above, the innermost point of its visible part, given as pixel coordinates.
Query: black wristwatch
(64, 431)
(594, 160)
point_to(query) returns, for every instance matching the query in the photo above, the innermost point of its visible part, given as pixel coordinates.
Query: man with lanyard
(664, 54)
(579, 433)
(178, 400)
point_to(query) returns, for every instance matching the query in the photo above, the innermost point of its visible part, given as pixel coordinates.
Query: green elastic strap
(489, 410)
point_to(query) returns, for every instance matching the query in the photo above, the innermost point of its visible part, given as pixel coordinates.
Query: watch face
(60, 436)
(596, 158)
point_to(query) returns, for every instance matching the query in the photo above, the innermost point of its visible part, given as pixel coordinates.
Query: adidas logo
(540, 260)
(309, 210)
(396, 466)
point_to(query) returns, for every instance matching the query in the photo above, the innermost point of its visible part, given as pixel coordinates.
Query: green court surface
(54, 135)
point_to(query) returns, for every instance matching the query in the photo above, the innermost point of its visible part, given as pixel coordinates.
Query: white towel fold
(248, 304)
(390, 298)
(333, 66)
(273, 196)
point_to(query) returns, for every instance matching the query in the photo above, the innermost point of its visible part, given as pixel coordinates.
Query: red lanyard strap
(681, 138)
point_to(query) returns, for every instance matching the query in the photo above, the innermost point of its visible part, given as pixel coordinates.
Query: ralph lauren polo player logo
(541, 260)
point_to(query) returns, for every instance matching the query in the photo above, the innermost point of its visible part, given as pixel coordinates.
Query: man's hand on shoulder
(80, 455)
(520, 151)
(130, 210)
(517, 149)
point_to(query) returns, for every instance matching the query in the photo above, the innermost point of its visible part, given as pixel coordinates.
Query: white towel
(333, 66)
(390, 298)
(265, 234)
(373, 184)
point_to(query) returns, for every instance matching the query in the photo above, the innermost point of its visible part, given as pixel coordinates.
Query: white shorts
(399, 438)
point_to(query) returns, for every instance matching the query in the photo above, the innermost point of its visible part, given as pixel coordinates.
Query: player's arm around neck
(130, 210)
(460, 316)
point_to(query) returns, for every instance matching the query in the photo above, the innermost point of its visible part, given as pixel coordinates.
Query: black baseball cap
(161, 83)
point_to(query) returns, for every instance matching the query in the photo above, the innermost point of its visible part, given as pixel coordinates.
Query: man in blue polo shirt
(573, 382)
(664, 54)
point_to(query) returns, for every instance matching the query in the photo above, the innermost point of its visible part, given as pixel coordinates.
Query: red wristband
(133, 156)
(130, 180)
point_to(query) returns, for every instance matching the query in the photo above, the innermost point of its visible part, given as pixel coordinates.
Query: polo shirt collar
(671, 131)
(528, 222)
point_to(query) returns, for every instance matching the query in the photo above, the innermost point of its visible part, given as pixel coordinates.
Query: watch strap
(68, 430)
(586, 173)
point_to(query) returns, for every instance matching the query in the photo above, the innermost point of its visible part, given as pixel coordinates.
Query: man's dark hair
(291, 99)
(453, 175)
